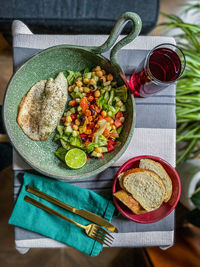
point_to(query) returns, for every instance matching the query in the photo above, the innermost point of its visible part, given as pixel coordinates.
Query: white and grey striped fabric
(154, 134)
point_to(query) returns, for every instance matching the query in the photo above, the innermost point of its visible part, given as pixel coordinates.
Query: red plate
(165, 209)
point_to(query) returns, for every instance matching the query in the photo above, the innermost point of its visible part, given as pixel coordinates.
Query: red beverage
(162, 66)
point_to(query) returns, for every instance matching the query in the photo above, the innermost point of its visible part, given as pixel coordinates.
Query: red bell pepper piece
(84, 104)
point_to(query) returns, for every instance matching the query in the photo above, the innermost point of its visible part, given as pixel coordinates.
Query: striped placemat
(154, 134)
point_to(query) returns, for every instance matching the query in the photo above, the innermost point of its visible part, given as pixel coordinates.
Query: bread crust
(127, 174)
(135, 171)
(129, 201)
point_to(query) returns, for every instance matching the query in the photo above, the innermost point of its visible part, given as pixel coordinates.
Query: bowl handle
(117, 29)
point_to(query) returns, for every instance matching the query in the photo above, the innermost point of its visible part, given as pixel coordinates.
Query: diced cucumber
(79, 109)
(96, 155)
(107, 88)
(78, 95)
(73, 94)
(68, 130)
(104, 149)
(96, 78)
(78, 100)
(117, 99)
(60, 153)
(87, 75)
(123, 108)
(112, 109)
(68, 113)
(60, 129)
(56, 137)
(113, 83)
(72, 110)
(93, 87)
(74, 133)
(76, 89)
(110, 113)
(106, 83)
(65, 144)
(119, 129)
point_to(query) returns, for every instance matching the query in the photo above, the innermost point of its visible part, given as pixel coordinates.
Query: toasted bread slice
(156, 167)
(129, 201)
(145, 186)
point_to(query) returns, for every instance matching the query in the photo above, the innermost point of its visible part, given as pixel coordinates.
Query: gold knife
(81, 212)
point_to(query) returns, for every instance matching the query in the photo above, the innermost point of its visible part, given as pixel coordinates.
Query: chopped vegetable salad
(95, 115)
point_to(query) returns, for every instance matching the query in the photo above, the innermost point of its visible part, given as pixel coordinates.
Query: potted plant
(188, 111)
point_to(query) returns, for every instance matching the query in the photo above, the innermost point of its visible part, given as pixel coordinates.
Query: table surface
(154, 135)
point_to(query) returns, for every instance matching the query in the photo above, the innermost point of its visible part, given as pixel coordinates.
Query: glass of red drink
(163, 65)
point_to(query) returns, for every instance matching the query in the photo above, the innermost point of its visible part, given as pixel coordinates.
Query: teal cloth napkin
(27, 216)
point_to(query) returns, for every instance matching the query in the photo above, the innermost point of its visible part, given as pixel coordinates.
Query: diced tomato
(73, 103)
(63, 119)
(84, 104)
(73, 116)
(110, 145)
(119, 115)
(100, 157)
(111, 141)
(117, 123)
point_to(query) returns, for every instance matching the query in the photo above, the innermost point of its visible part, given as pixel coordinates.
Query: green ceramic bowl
(48, 63)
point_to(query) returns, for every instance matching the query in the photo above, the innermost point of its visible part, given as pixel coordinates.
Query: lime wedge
(75, 158)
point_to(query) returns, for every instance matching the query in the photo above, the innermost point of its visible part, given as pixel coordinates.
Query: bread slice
(120, 178)
(156, 167)
(145, 186)
(129, 201)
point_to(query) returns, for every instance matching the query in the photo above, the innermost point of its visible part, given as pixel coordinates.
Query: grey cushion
(76, 16)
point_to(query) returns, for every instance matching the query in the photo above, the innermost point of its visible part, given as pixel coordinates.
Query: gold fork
(92, 230)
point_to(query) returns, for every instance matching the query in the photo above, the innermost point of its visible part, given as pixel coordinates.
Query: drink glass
(163, 65)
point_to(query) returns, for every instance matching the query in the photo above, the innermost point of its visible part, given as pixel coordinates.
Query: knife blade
(81, 212)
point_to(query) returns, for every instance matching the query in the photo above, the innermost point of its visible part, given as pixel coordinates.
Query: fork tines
(103, 236)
